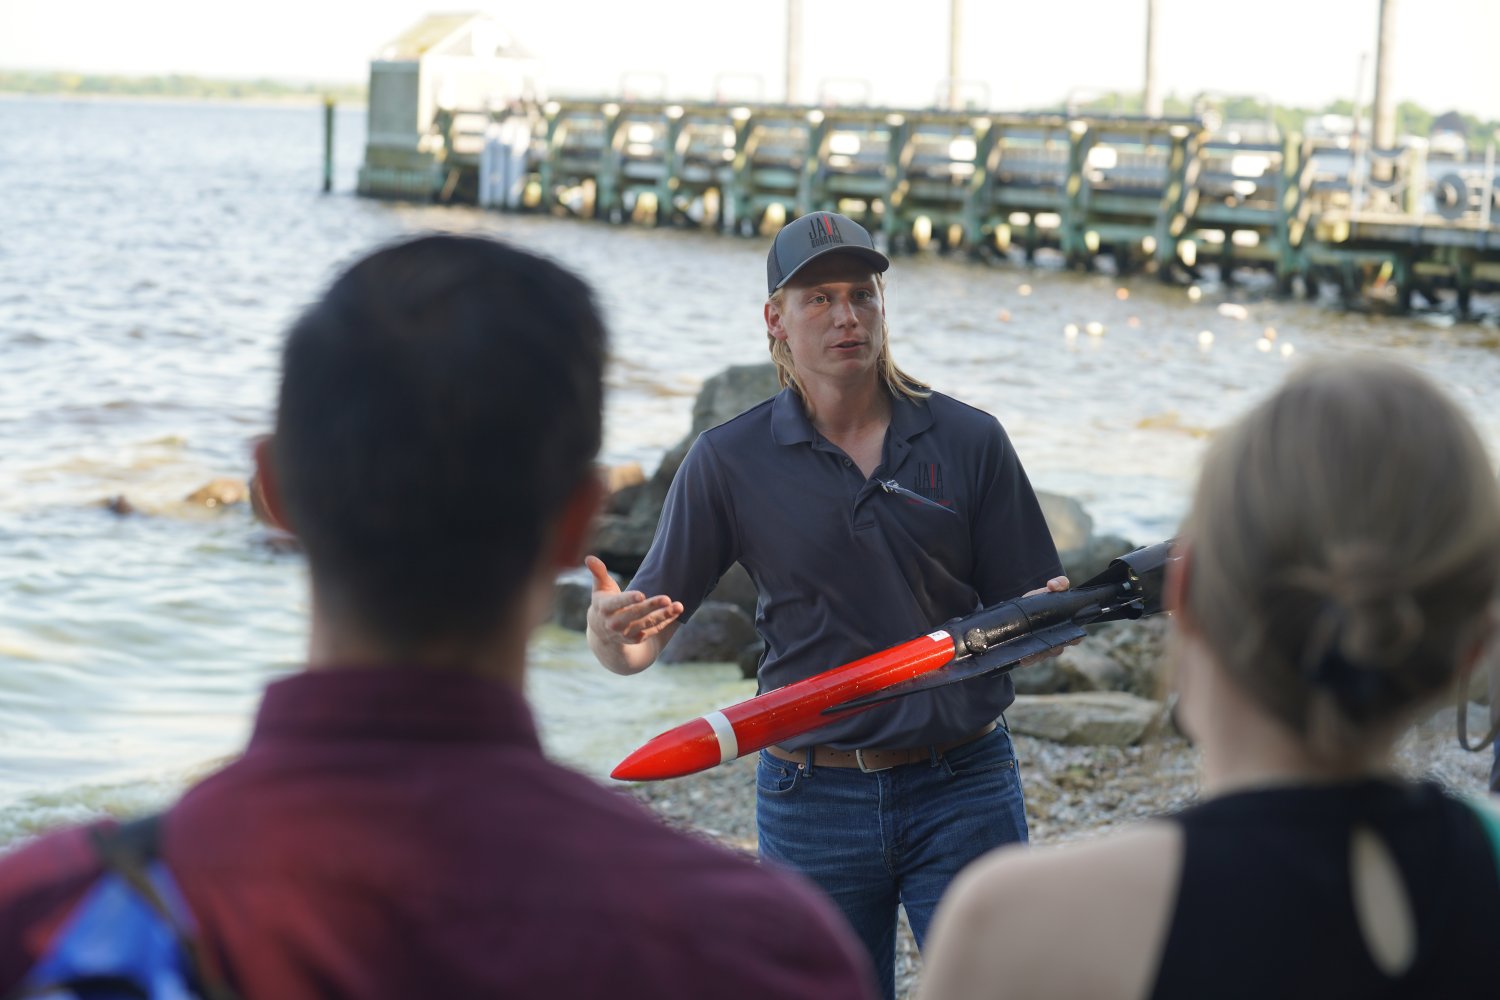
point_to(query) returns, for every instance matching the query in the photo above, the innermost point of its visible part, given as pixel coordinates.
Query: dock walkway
(1167, 194)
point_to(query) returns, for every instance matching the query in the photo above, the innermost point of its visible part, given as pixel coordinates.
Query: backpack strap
(132, 850)
(128, 850)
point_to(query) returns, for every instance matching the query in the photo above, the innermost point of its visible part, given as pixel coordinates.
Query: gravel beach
(1072, 792)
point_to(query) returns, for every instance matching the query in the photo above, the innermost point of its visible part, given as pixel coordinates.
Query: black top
(844, 567)
(1265, 908)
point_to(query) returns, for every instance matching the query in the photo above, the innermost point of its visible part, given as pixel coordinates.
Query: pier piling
(328, 107)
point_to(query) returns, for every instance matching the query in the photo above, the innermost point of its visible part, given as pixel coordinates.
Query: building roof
(458, 31)
(1450, 122)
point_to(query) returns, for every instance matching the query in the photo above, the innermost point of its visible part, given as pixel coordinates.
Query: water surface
(151, 256)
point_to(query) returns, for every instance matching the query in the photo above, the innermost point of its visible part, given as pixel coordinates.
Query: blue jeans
(871, 841)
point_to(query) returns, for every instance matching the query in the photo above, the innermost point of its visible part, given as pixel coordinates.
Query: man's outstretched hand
(627, 629)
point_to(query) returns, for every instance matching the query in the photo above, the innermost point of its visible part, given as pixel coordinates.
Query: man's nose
(843, 312)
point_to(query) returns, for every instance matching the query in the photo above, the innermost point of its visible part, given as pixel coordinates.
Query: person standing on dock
(866, 508)
(393, 829)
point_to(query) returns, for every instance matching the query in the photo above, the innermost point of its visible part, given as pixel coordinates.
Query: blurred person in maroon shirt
(392, 829)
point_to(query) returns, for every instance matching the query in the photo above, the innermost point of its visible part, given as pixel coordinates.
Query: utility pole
(1383, 127)
(793, 50)
(1152, 98)
(955, 55)
(1357, 141)
(1359, 100)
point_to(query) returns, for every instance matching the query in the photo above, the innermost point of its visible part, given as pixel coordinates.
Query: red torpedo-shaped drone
(989, 641)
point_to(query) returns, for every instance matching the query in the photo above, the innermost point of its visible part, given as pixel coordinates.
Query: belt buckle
(859, 758)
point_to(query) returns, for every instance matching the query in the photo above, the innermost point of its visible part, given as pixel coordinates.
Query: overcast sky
(1300, 52)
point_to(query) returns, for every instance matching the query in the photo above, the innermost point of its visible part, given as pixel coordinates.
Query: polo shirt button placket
(861, 513)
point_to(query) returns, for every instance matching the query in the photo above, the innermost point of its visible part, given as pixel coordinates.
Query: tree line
(1411, 118)
(170, 85)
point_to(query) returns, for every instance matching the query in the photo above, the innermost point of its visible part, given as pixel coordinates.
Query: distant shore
(290, 101)
(174, 87)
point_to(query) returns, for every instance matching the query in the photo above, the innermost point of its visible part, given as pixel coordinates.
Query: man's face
(832, 318)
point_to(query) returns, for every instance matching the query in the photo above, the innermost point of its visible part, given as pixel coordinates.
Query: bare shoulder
(997, 931)
(1116, 857)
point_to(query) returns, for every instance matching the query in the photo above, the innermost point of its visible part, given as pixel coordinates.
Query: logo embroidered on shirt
(930, 480)
(927, 488)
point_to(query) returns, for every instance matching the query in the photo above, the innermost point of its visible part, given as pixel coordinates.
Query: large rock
(1070, 524)
(619, 477)
(717, 633)
(570, 604)
(1096, 718)
(1083, 554)
(1095, 557)
(624, 533)
(1041, 677)
(1086, 667)
(749, 658)
(735, 587)
(730, 393)
(221, 492)
(624, 483)
(1140, 647)
(622, 501)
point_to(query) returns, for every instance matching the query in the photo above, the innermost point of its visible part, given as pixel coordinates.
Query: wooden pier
(1165, 194)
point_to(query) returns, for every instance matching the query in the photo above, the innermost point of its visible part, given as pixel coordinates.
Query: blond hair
(897, 381)
(1346, 548)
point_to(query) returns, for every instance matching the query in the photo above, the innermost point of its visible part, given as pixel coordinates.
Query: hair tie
(1357, 687)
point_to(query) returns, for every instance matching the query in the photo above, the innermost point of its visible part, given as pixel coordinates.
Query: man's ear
(265, 493)
(774, 326)
(574, 527)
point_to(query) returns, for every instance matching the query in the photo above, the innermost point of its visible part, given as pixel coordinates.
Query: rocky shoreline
(1072, 792)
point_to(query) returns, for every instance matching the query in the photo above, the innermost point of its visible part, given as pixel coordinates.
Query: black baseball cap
(811, 236)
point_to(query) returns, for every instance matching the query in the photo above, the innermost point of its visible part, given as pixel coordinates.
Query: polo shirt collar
(403, 703)
(790, 425)
(909, 417)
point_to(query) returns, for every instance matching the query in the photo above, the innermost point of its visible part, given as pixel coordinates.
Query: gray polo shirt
(845, 568)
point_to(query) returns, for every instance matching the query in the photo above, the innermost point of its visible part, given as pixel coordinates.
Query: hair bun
(1369, 623)
(1380, 622)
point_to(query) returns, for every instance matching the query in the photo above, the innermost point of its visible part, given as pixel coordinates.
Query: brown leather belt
(874, 759)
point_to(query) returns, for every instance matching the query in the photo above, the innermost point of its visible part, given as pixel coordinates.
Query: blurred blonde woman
(1337, 572)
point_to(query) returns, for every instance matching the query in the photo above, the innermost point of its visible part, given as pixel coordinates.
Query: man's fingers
(630, 614)
(602, 579)
(649, 625)
(1055, 585)
(631, 603)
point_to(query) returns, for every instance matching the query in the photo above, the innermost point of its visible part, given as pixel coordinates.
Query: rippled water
(152, 254)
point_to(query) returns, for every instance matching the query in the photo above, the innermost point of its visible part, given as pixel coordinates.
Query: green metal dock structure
(1168, 194)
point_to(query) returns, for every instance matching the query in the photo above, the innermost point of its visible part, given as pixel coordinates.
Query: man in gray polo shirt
(867, 509)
